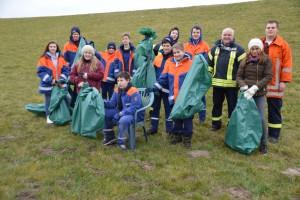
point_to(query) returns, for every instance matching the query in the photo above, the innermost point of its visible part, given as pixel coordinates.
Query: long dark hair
(47, 48)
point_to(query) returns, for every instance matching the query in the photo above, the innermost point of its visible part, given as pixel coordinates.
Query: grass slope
(45, 162)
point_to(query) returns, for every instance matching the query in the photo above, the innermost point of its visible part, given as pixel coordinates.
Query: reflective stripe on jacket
(224, 63)
(46, 71)
(281, 56)
(172, 77)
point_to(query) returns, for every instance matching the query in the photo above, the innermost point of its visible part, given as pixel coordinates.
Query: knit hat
(111, 45)
(255, 42)
(87, 48)
(75, 29)
(167, 39)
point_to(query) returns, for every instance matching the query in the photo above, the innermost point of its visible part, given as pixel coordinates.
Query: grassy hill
(48, 162)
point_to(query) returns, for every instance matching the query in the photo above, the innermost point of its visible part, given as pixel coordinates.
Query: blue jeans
(123, 124)
(47, 103)
(260, 103)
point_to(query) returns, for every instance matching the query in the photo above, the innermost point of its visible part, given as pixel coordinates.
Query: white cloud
(38, 8)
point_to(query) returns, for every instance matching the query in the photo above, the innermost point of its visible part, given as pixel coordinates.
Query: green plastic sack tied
(144, 76)
(244, 130)
(194, 87)
(88, 113)
(58, 108)
(38, 109)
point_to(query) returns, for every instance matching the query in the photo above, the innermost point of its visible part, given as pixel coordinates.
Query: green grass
(45, 162)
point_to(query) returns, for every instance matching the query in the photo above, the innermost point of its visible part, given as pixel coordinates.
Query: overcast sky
(37, 8)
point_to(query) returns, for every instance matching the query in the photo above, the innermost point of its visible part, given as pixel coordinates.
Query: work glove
(250, 92)
(244, 88)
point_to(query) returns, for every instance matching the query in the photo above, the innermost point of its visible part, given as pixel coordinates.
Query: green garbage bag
(78, 52)
(38, 109)
(244, 130)
(58, 108)
(144, 72)
(194, 87)
(88, 113)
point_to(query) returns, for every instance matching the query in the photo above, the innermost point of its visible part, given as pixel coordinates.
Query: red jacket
(94, 77)
(281, 56)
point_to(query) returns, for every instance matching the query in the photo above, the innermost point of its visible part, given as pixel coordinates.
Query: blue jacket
(46, 71)
(171, 79)
(131, 101)
(126, 58)
(159, 63)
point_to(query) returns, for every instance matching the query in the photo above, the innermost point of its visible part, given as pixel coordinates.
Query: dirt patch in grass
(26, 195)
(236, 193)
(67, 150)
(239, 193)
(7, 138)
(199, 153)
(292, 172)
(264, 167)
(48, 151)
(144, 165)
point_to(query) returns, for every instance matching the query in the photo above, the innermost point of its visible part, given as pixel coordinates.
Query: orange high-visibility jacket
(281, 57)
(201, 48)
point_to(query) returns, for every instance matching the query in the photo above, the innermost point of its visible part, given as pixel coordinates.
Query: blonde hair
(94, 60)
(178, 45)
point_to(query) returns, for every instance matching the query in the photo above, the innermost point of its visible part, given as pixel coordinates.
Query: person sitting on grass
(120, 110)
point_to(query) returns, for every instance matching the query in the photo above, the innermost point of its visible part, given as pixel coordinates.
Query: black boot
(175, 137)
(187, 141)
(263, 149)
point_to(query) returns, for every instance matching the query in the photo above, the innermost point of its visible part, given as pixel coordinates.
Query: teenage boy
(120, 110)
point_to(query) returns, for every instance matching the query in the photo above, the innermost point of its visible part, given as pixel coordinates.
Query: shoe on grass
(49, 121)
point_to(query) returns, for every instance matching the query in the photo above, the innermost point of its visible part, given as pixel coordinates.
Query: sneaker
(49, 121)
(123, 147)
(273, 140)
(109, 141)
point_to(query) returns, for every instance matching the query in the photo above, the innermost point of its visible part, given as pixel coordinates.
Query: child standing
(120, 110)
(125, 54)
(195, 46)
(159, 65)
(111, 62)
(51, 68)
(171, 79)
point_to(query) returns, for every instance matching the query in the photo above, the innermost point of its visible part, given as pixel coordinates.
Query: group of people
(264, 70)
